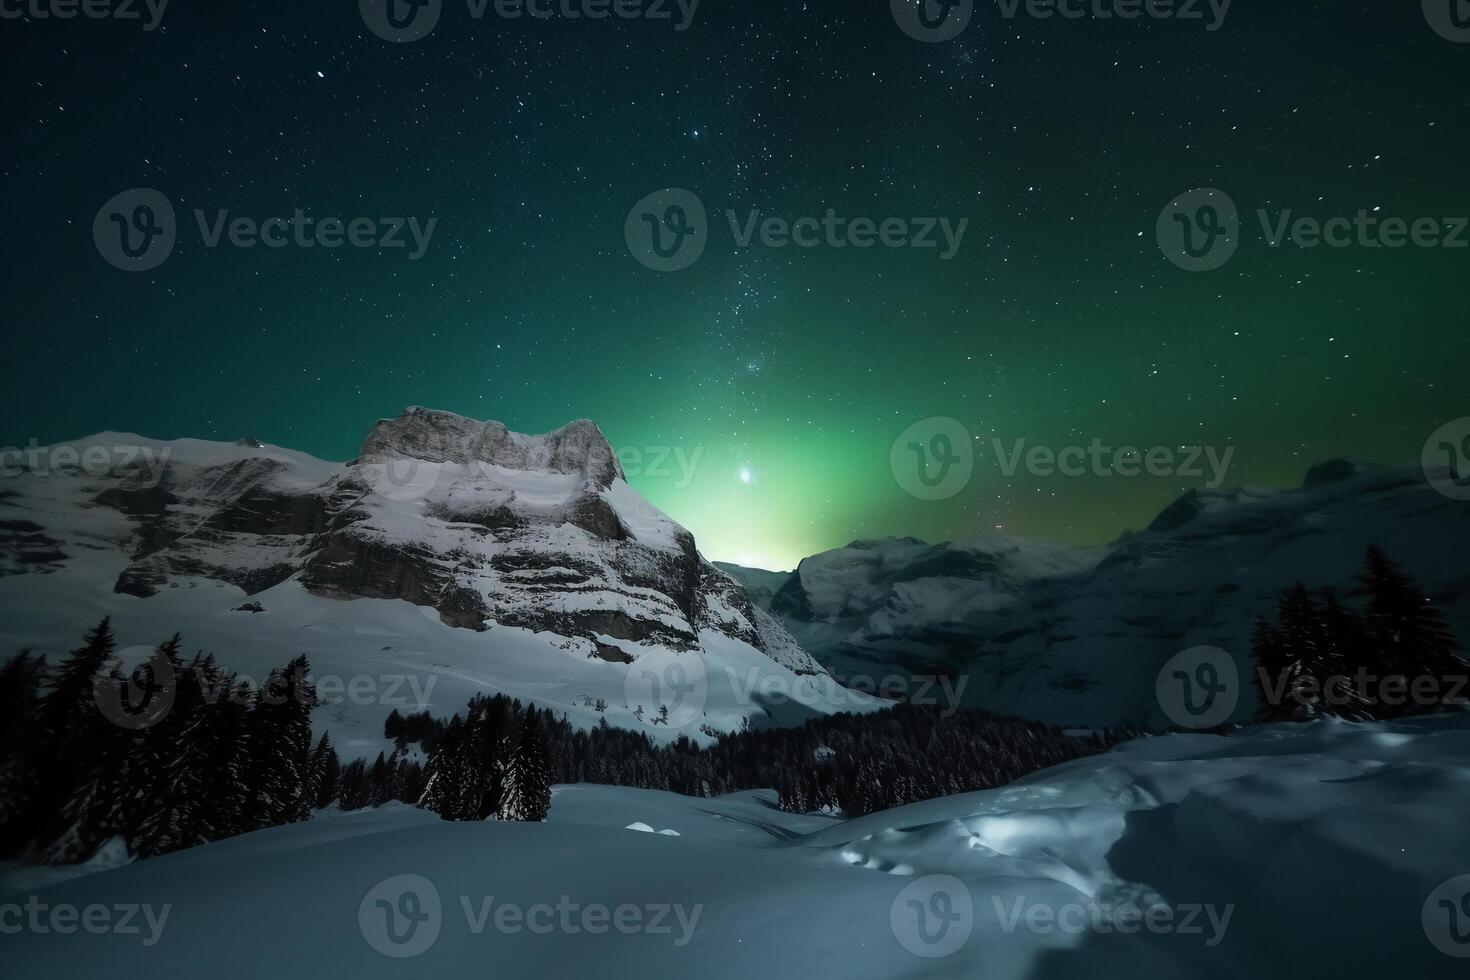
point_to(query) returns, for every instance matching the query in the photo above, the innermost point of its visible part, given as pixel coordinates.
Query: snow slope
(1077, 636)
(1278, 852)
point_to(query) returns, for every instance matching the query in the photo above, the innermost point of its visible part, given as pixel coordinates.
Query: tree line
(223, 759)
(219, 760)
(1390, 657)
(502, 757)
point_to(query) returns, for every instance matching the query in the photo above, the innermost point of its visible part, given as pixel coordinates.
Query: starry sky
(783, 375)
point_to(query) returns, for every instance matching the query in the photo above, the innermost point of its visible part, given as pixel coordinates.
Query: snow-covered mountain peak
(536, 542)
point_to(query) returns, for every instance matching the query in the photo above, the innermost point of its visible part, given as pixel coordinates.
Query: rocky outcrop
(25, 547)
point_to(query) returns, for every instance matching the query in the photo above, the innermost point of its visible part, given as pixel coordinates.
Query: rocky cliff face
(481, 524)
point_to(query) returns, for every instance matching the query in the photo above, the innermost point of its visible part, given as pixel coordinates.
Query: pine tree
(323, 772)
(1407, 632)
(410, 781)
(226, 738)
(1344, 650)
(445, 772)
(78, 755)
(1271, 677)
(393, 726)
(280, 747)
(379, 778)
(1308, 662)
(20, 702)
(527, 785)
(486, 759)
(69, 727)
(172, 760)
(138, 779)
(354, 789)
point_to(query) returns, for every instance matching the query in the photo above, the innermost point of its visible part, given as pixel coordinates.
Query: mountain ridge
(1075, 634)
(531, 548)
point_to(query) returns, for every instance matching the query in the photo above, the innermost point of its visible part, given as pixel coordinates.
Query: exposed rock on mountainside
(475, 521)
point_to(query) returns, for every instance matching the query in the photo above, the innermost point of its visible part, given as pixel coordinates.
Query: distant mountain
(483, 558)
(760, 585)
(1077, 635)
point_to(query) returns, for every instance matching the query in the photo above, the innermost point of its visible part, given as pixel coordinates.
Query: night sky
(789, 371)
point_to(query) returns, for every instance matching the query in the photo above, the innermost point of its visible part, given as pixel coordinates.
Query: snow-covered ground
(1320, 850)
